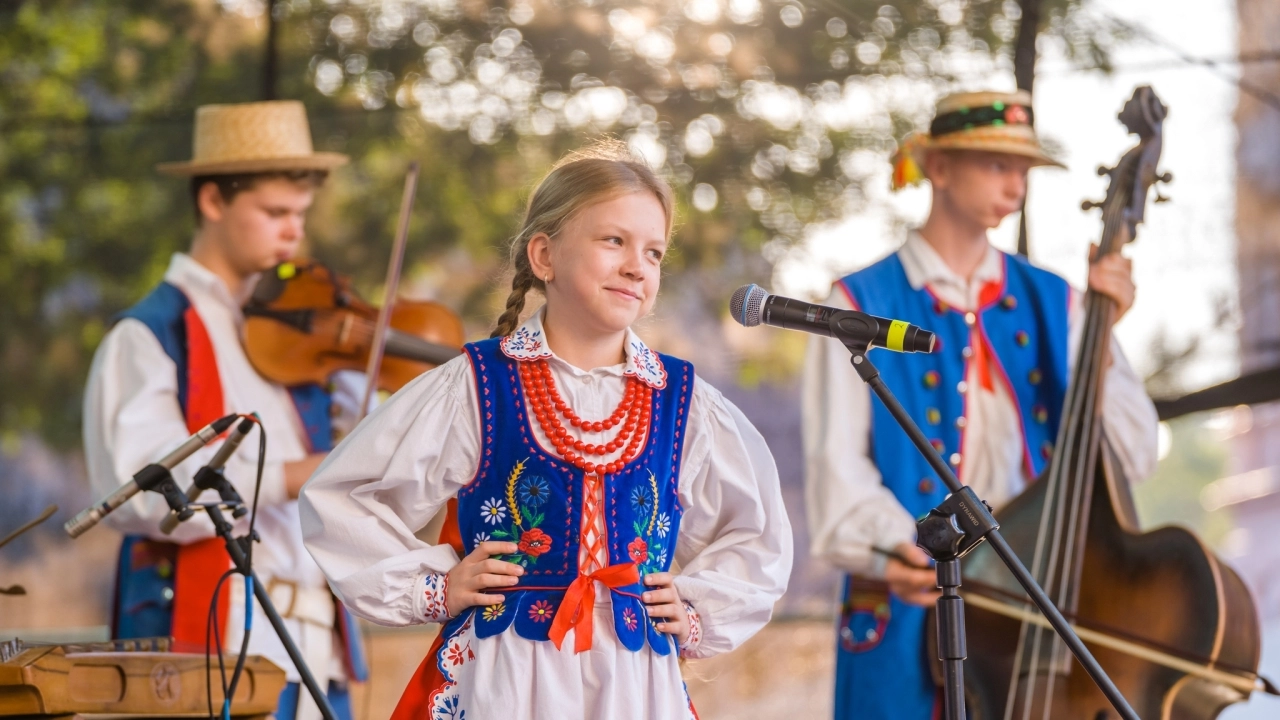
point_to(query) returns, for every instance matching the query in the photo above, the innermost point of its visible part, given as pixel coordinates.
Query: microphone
(752, 305)
(203, 477)
(147, 478)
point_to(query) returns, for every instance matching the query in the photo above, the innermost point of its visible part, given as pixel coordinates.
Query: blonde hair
(598, 172)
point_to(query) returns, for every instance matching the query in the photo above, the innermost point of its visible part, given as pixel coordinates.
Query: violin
(304, 322)
(1173, 625)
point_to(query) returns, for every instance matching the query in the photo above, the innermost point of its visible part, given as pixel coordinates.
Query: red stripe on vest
(199, 564)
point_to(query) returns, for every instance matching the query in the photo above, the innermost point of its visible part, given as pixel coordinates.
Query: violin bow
(392, 285)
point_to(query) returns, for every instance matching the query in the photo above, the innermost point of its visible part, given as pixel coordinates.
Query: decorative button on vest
(926, 486)
(970, 319)
(1041, 414)
(931, 379)
(1035, 376)
(1022, 338)
(962, 387)
(933, 415)
(955, 459)
(1009, 302)
(961, 422)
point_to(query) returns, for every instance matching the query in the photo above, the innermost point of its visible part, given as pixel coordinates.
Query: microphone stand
(949, 532)
(239, 558)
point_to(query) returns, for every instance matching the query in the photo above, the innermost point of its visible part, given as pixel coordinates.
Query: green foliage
(1172, 494)
(765, 114)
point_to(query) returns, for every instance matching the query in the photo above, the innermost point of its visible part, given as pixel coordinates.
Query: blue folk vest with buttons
(882, 668)
(525, 494)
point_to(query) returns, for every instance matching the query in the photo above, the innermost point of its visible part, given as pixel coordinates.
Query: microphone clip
(208, 479)
(157, 478)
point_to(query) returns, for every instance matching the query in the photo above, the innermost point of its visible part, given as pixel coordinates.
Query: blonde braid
(521, 284)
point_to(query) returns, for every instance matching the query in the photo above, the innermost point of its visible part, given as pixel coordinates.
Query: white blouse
(849, 508)
(407, 459)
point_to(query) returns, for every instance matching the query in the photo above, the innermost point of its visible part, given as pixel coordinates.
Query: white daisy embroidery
(482, 537)
(493, 511)
(663, 525)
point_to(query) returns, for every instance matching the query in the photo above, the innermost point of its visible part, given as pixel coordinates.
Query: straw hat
(251, 138)
(990, 121)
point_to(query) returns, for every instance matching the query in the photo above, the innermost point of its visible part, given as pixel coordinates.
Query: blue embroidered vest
(882, 668)
(145, 574)
(522, 493)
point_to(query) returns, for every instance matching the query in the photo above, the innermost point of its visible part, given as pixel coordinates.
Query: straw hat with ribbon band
(989, 121)
(252, 138)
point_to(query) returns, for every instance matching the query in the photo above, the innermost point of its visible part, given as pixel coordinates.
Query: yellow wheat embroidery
(653, 483)
(511, 491)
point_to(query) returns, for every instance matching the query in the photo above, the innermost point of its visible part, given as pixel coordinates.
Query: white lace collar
(529, 342)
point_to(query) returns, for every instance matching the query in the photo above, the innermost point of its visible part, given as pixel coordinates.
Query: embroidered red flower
(534, 542)
(638, 550)
(540, 611)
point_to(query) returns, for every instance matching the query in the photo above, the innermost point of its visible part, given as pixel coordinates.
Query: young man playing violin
(989, 399)
(174, 362)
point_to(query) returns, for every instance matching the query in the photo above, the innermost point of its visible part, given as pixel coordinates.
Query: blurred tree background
(767, 115)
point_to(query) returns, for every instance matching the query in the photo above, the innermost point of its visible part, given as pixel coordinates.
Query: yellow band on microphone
(897, 333)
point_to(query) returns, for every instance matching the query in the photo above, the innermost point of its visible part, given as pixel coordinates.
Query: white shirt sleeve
(384, 482)
(1129, 417)
(735, 549)
(132, 418)
(849, 508)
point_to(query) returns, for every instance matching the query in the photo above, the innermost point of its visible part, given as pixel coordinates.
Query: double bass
(1173, 626)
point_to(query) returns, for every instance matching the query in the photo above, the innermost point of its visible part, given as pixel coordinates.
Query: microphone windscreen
(746, 303)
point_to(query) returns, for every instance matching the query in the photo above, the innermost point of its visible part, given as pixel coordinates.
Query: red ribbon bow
(579, 604)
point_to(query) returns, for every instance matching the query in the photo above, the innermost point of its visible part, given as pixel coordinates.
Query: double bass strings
(1080, 403)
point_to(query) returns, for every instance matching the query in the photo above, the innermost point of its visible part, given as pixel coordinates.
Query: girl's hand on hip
(478, 572)
(663, 602)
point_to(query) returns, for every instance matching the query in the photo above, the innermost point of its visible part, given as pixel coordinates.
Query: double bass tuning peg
(1165, 178)
(1103, 170)
(1090, 204)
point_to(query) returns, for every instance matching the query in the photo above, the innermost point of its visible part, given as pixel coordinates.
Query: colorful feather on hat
(906, 170)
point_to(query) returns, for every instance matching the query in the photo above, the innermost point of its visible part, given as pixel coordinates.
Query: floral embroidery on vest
(526, 494)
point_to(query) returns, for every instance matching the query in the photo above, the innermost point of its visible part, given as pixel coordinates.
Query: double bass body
(1163, 588)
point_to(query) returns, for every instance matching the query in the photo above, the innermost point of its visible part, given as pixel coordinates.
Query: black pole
(236, 551)
(269, 61)
(976, 514)
(951, 640)
(1024, 73)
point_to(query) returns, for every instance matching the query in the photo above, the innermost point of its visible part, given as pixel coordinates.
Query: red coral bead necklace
(632, 414)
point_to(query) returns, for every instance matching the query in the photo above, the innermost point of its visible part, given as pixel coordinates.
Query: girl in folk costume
(577, 465)
(989, 399)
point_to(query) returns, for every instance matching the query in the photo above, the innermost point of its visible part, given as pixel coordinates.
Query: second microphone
(752, 305)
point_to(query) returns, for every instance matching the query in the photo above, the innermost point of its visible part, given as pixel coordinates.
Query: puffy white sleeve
(734, 549)
(132, 418)
(384, 482)
(1128, 415)
(849, 508)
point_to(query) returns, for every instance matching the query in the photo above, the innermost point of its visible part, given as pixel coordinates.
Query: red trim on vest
(199, 564)
(415, 701)
(449, 533)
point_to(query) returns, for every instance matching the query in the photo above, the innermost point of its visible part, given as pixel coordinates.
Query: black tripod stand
(958, 525)
(236, 549)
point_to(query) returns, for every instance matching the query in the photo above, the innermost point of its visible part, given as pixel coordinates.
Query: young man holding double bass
(174, 362)
(990, 399)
